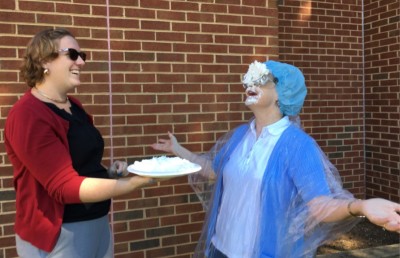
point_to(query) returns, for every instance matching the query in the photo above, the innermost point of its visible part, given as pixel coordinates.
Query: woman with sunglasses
(267, 187)
(63, 191)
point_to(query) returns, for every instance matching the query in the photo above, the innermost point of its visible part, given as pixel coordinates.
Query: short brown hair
(43, 47)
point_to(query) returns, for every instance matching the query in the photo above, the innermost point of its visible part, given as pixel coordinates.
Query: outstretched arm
(98, 189)
(379, 211)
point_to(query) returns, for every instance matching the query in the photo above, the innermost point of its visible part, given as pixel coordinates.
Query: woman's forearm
(98, 189)
(326, 209)
(378, 211)
(184, 153)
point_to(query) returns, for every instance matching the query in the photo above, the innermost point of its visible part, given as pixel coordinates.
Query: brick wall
(176, 66)
(382, 95)
(324, 39)
(353, 106)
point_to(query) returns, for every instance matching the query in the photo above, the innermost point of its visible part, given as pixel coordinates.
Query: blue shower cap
(291, 87)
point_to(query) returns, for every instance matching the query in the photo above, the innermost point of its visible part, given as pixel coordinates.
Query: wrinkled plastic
(296, 229)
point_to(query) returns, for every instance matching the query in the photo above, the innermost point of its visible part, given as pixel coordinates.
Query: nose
(80, 61)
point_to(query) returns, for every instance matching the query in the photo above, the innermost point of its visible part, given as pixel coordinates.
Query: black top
(86, 147)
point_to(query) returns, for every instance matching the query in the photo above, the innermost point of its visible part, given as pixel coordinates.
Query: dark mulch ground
(364, 235)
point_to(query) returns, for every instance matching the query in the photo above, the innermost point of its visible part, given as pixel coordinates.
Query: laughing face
(64, 71)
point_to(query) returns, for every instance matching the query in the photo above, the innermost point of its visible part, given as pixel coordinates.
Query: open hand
(167, 145)
(383, 213)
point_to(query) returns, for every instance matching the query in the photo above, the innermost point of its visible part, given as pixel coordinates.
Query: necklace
(55, 100)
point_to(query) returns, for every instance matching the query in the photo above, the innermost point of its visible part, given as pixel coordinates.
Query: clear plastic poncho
(300, 188)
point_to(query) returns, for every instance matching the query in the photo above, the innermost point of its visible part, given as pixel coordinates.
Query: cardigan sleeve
(308, 171)
(38, 144)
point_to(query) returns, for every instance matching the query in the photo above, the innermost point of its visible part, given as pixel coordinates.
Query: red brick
(200, 17)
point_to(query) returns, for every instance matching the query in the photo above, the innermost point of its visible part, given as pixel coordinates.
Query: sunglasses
(73, 53)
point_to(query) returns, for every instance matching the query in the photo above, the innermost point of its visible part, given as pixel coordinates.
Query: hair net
(291, 87)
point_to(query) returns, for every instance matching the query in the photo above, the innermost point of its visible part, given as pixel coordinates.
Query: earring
(46, 71)
(277, 103)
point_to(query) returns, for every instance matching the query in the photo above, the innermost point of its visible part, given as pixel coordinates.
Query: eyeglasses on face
(73, 53)
(260, 81)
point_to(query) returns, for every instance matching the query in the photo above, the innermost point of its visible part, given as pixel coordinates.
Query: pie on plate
(163, 166)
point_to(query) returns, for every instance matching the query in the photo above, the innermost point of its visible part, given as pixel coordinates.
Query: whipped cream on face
(164, 164)
(256, 75)
(253, 95)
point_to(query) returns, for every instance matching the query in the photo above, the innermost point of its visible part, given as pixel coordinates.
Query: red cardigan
(44, 179)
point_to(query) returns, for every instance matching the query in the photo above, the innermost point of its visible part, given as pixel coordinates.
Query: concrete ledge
(386, 251)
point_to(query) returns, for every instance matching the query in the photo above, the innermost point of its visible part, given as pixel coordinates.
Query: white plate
(161, 174)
